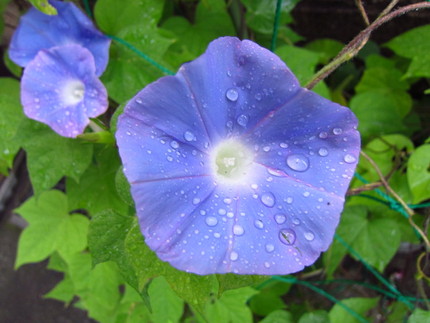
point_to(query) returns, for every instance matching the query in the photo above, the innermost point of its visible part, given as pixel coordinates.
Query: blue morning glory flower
(60, 88)
(38, 31)
(234, 167)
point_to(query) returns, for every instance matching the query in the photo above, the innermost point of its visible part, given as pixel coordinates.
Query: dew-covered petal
(169, 105)
(230, 82)
(309, 139)
(37, 31)
(59, 88)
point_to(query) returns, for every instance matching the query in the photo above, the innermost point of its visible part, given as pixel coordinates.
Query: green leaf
(11, 117)
(44, 6)
(418, 173)
(233, 281)
(12, 67)
(194, 289)
(360, 305)
(211, 21)
(50, 156)
(302, 63)
(231, 307)
(96, 191)
(326, 48)
(260, 14)
(64, 291)
(50, 229)
(379, 113)
(269, 299)
(315, 317)
(106, 236)
(366, 231)
(136, 24)
(413, 44)
(278, 317)
(166, 305)
(123, 187)
(419, 316)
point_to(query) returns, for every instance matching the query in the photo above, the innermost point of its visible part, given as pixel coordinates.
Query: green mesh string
(276, 25)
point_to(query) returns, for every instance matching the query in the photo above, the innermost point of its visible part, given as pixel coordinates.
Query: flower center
(231, 161)
(73, 92)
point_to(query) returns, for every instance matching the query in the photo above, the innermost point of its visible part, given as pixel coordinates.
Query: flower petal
(283, 213)
(38, 31)
(59, 88)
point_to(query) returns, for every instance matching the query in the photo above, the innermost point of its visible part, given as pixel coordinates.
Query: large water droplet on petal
(287, 236)
(309, 236)
(242, 120)
(174, 144)
(238, 230)
(270, 247)
(280, 218)
(337, 131)
(268, 199)
(323, 135)
(259, 224)
(232, 95)
(323, 152)
(234, 256)
(211, 221)
(349, 159)
(189, 136)
(298, 162)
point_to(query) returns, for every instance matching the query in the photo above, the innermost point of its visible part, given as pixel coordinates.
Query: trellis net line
(386, 200)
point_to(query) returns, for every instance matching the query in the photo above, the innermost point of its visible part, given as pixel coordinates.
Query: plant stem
(354, 46)
(362, 11)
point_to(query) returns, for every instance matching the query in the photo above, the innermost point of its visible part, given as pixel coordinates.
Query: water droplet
(238, 230)
(270, 247)
(196, 200)
(266, 149)
(337, 131)
(289, 200)
(287, 236)
(296, 221)
(227, 201)
(258, 97)
(306, 194)
(211, 221)
(234, 256)
(266, 264)
(37, 100)
(280, 218)
(268, 199)
(259, 224)
(309, 236)
(232, 95)
(349, 159)
(189, 136)
(174, 144)
(222, 212)
(298, 162)
(242, 120)
(323, 135)
(323, 152)
(139, 101)
(283, 145)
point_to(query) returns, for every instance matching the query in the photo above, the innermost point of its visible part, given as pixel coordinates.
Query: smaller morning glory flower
(234, 167)
(37, 31)
(60, 88)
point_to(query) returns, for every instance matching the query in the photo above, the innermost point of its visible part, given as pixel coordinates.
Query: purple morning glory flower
(38, 31)
(234, 167)
(59, 87)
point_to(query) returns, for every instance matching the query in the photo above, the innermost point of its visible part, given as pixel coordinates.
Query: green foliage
(135, 23)
(361, 306)
(44, 6)
(231, 307)
(419, 316)
(419, 173)
(67, 233)
(413, 44)
(11, 118)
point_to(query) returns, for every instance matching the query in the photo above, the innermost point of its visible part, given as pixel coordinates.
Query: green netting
(391, 291)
